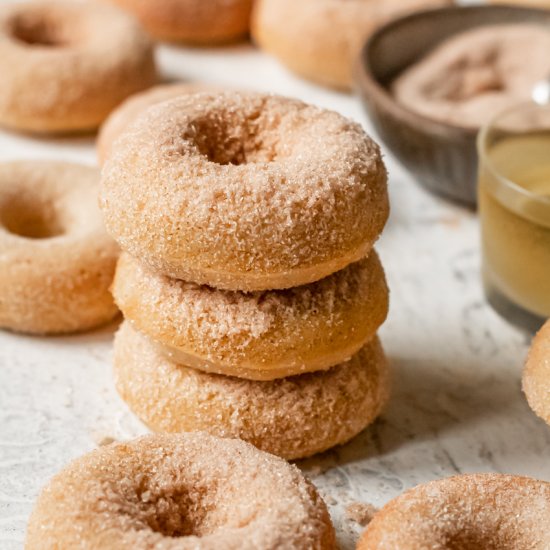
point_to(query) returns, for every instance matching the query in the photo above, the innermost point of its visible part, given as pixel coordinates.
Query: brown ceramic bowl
(442, 157)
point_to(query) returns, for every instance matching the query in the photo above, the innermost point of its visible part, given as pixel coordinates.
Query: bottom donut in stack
(292, 417)
(294, 372)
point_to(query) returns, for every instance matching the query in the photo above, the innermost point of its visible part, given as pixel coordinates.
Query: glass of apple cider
(514, 209)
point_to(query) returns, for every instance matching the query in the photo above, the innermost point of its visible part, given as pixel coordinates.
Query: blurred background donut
(65, 65)
(321, 39)
(192, 21)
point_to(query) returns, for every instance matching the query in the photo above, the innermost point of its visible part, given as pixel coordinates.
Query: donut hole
(31, 218)
(227, 142)
(175, 516)
(490, 535)
(46, 30)
(180, 512)
(473, 541)
(183, 506)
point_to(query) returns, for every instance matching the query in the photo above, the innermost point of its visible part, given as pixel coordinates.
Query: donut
(291, 417)
(192, 21)
(184, 491)
(65, 65)
(244, 191)
(130, 108)
(321, 39)
(489, 511)
(536, 375)
(56, 260)
(257, 335)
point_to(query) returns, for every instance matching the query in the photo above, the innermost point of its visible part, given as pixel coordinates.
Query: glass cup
(514, 210)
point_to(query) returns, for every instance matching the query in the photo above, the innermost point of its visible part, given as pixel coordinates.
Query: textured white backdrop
(456, 406)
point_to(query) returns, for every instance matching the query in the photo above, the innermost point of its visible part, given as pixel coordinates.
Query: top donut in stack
(245, 191)
(221, 201)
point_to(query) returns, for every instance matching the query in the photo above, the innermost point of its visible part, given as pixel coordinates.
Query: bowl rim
(366, 80)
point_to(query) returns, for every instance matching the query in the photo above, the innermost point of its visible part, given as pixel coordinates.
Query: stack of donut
(248, 280)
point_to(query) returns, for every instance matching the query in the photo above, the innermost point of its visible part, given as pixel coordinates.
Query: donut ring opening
(31, 218)
(179, 513)
(223, 144)
(46, 29)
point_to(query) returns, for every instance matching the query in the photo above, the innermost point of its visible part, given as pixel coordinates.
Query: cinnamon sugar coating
(56, 260)
(291, 417)
(179, 492)
(536, 375)
(244, 191)
(129, 110)
(192, 21)
(474, 511)
(65, 65)
(321, 39)
(471, 77)
(257, 335)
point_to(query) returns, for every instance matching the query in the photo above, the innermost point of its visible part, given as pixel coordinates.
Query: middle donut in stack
(249, 279)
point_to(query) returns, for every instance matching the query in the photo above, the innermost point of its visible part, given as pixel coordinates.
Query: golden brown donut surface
(244, 191)
(474, 511)
(258, 335)
(290, 417)
(179, 492)
(65, 65)
(56, 260)
(321, 39)
(192, 21)
(129, 109)
(536, 375)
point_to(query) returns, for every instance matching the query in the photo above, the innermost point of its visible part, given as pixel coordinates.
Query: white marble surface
(456, 405)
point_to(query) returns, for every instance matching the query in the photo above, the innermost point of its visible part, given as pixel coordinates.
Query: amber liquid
(516, 226)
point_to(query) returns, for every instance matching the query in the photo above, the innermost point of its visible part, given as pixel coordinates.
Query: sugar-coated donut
(244, 191)
(56, 260)
(536, 375)
(129, 109)
(321, 39)
(192, 21)
(485, 511)
(258, 335)
(291, 417)
(65, 65)
(179, 492)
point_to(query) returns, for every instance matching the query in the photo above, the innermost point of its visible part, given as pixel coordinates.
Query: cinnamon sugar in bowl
(441, 154)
